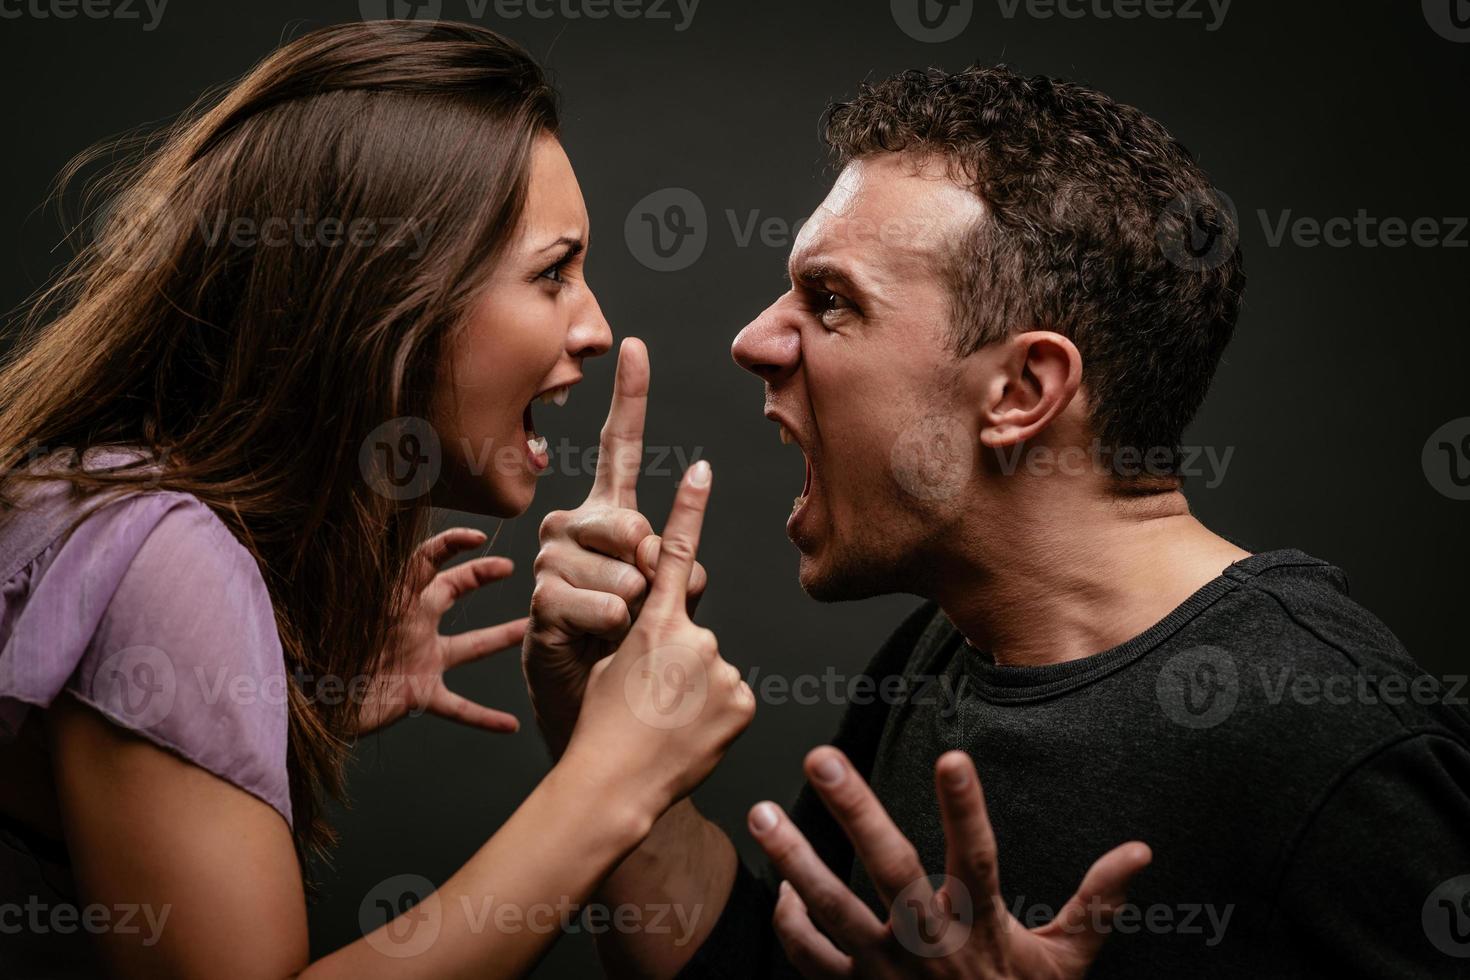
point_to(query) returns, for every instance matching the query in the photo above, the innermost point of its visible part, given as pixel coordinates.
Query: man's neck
(1070, 579)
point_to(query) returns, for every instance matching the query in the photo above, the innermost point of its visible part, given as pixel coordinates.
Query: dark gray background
(1345, 361)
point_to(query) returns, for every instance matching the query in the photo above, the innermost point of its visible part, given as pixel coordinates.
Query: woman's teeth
(537, 445)
(555, 396)
(786, 437)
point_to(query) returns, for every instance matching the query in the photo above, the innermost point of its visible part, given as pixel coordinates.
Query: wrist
(627, 807)
(554, 713)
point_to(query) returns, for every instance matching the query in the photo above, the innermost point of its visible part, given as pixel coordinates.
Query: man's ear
(1033, 377)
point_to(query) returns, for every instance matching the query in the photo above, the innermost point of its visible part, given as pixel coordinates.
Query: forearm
(685, 867)
(504, 908)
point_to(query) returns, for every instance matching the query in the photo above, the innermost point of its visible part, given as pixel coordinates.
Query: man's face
(858, 370)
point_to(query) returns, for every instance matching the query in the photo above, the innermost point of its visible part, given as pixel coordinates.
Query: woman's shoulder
(150, 610)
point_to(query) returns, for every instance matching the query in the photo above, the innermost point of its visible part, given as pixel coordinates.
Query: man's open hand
(962, 928)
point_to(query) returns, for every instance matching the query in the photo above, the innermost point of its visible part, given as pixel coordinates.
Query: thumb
(646, 555)
(1085, 922)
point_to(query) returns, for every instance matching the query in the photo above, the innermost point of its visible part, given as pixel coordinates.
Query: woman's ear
(1033, 378)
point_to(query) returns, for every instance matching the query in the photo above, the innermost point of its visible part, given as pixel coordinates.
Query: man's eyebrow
(815, 273)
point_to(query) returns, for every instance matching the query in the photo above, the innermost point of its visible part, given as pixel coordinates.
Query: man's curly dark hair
(1098, 225)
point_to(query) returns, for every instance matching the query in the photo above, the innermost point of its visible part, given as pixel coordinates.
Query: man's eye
(828, 303)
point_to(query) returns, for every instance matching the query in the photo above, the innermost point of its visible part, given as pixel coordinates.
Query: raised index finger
(680, 542)
(620, 451)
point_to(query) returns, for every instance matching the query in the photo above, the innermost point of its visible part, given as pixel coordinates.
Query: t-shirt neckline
(997, 682)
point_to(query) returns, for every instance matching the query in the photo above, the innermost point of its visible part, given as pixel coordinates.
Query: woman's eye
(554, 273)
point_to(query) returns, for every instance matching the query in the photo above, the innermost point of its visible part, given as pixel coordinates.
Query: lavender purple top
(154, 614)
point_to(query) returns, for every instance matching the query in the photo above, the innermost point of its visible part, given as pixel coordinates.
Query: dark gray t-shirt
(1304, 786)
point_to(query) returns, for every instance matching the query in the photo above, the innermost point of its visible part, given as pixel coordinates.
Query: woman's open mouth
(536, 446)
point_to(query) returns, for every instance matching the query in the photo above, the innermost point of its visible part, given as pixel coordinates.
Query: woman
(218, 433)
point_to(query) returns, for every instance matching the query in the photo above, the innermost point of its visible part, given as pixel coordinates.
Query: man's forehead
(888, 209)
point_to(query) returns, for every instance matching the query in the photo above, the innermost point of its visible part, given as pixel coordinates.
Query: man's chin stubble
(848, 576)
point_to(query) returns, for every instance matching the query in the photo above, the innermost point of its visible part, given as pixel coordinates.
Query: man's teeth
(786, 437)
(555, 396)
(537, 445)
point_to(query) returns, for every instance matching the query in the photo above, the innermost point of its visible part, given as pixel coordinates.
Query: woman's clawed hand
(412, 678)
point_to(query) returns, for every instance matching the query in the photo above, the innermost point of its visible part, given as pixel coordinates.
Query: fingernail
(828, 771)
(699, 474)
(785, 886)
(956, 778)
(763, 817)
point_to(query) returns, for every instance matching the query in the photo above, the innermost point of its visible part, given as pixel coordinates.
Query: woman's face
(523, 341)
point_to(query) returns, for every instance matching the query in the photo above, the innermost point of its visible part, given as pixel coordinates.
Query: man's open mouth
(787, 438)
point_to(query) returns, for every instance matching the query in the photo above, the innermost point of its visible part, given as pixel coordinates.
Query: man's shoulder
(1300, 644)
(1292, 609)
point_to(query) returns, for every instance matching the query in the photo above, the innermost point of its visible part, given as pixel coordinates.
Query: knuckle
(677, 547)
(896, 864)
(980, 854)
(630, 584)
(825, 902)
(611, 610)
(554, 523)
(631, 527)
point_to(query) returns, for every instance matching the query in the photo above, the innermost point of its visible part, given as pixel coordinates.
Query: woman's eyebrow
(572, 244)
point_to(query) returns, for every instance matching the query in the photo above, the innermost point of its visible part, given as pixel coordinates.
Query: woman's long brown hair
(219, 323)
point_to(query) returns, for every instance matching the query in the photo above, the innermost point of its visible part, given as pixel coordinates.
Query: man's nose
(769, 346)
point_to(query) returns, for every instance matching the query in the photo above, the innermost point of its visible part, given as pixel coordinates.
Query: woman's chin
(504, 498)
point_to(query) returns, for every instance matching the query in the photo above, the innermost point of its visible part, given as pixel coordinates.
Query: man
(1000, 321)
